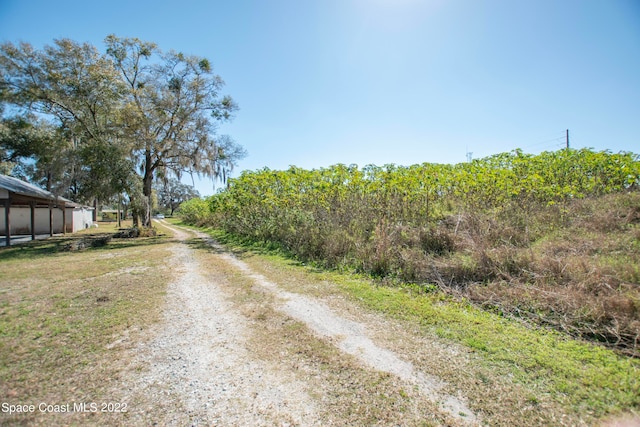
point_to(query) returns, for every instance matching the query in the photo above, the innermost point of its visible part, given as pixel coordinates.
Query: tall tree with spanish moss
(171, 110)
(133, 112)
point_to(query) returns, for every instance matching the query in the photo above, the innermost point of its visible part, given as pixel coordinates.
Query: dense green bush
(367, 217)
(461, 226)
(194, 211)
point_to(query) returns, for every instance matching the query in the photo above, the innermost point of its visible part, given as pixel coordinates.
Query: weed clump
(87, 242)
(135, 232)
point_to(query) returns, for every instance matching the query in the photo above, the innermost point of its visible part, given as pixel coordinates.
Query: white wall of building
(20, 219)
(79, 219)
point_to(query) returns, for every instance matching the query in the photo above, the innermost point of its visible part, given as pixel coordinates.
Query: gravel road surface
(196, 368)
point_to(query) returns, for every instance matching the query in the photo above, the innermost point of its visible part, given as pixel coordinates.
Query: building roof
(28, 192)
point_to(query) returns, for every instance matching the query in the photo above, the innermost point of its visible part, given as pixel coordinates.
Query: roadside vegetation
(67, 312)
(530, 261)
(511, 373)
(552, 239)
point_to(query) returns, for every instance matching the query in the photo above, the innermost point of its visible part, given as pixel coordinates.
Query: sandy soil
(196, 368)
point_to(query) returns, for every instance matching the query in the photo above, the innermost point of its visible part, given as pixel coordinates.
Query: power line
(556, 141)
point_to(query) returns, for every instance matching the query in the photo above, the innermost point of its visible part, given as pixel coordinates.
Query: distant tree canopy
(88, 124)
(172, 193)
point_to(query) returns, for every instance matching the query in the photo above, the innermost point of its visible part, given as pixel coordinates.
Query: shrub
(526, 235)
(194, 211)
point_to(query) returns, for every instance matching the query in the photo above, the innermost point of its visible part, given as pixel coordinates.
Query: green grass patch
(590, 378)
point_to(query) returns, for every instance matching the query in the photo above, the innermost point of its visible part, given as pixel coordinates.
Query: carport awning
(14, 192)
(23, 193)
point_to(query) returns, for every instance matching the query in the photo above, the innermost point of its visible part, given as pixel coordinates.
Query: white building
(29, 210)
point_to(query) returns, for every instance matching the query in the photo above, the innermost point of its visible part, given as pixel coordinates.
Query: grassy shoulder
(67, 316)
(586, 381)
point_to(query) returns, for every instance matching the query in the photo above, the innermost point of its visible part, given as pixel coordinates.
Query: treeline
(483, 229)
(87, 124)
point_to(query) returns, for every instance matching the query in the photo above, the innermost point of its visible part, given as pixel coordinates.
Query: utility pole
(567, 139)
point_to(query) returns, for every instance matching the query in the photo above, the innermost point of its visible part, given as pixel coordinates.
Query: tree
(172, 107)
(37, 151)
(65, 101)
(171, 193)
(70, 82)
(133, 110)
(105, 170)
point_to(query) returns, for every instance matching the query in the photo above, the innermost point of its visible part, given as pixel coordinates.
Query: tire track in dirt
(351, 338)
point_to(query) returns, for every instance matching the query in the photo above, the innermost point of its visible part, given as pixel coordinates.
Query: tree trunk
(147, 181)
(119, 211)
(135, 216)
(135, 211)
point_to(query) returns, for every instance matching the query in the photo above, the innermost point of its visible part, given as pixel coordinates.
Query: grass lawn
(67, 315)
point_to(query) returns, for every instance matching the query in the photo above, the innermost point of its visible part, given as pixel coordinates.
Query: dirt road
(237, 349)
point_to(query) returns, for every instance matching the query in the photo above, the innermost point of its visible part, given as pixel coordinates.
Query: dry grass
(66, 316)
(347, 392)
(574, 267)
(583, 279)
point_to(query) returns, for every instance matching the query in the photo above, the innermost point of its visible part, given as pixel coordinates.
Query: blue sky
(321, 82)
